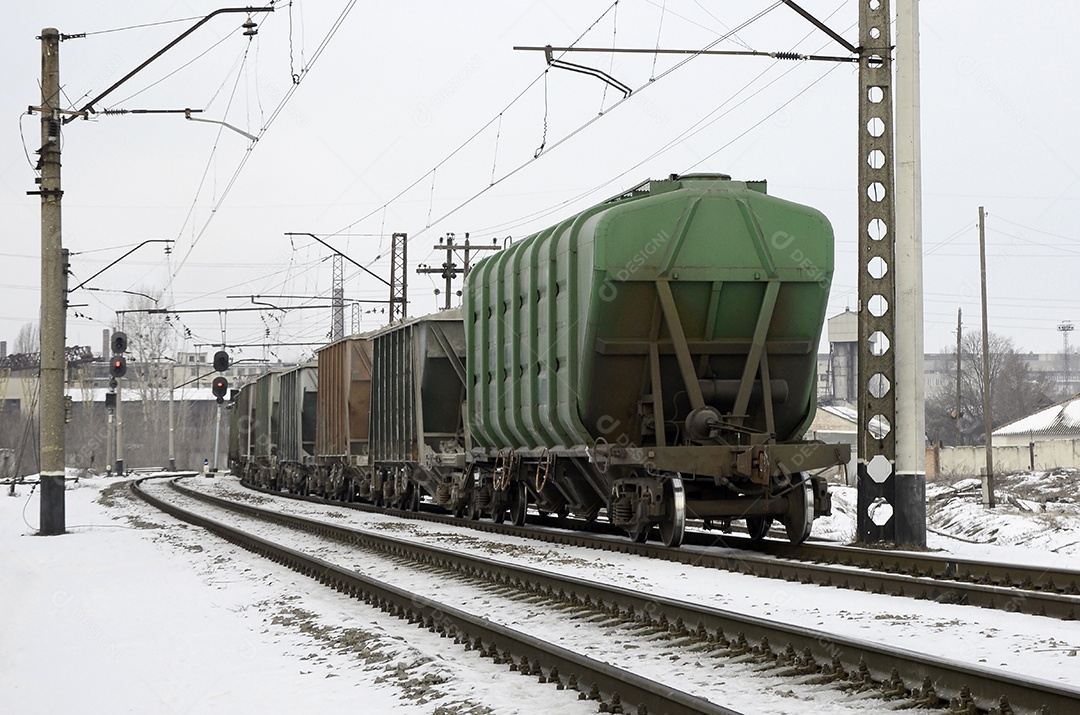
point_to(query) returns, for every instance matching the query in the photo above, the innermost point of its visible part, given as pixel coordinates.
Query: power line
(473, 136)
(1037, 230)
(137, 27)
(693, 130)
(269, 122)
(593, 120)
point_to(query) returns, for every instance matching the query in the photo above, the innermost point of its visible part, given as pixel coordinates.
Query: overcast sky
(375, 139)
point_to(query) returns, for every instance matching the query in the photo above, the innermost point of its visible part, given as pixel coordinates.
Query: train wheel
(498, 515)
(673, 526)
(521, 505)
(758, 526)
(414, 498)
(474, 510)
(640, 533)
(800, 517)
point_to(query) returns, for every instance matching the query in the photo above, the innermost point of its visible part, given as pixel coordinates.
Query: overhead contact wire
(305, 70)
(591, 121)
(473, 136)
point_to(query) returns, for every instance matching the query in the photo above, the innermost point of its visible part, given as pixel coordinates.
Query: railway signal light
(118, 366)
(220, 387)
(119, 342)
(221, 361)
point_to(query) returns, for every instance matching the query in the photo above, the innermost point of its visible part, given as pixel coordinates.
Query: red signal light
(220, 388)
(118, 366)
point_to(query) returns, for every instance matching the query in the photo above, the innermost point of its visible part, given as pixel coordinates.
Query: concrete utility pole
(53, 301)
(959, 407)
(910, 366)
(53, 326)
(988, 478)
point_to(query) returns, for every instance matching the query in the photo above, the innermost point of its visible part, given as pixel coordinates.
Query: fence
(1042, 456)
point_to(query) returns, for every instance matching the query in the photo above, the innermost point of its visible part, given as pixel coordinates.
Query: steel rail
(802, 648)
(907, 575)
(1035, 578)
(601, 681)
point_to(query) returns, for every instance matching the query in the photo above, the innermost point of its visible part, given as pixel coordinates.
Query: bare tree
(151, 345)
(150, 342)
(29, 340)
(1015, 391)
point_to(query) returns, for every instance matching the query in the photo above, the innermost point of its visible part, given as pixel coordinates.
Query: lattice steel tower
(399, 281)
(337, 330)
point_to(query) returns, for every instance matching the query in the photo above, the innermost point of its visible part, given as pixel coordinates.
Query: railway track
(1039, 590)
(909, 678)
(1054, 593)
(614, 689)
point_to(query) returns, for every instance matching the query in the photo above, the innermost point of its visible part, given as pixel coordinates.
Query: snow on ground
(1039, 511)
(1037, 646)
(142, 614)
(134, 612)
(738, 685)
(1036, 518)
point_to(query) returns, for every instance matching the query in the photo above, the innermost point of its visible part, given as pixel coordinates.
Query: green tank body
(561, 326)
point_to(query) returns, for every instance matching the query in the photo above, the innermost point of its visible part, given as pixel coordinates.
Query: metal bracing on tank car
(755, 367)
(766, 392)
(657, 395)
(678, 237)
(678, 341)
(444, 343)
(757, 347)
(877, 287)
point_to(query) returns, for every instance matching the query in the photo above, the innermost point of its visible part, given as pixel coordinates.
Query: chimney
(105, 344)
(3, 348)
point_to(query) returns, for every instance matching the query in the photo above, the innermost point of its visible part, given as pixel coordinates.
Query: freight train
(650, 360)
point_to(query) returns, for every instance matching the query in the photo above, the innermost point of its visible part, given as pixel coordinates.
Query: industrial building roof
(1060, 420)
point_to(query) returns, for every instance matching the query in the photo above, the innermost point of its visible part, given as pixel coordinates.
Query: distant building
(838, 370)
(843, 359)
(1057, 422)
(87, 378)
